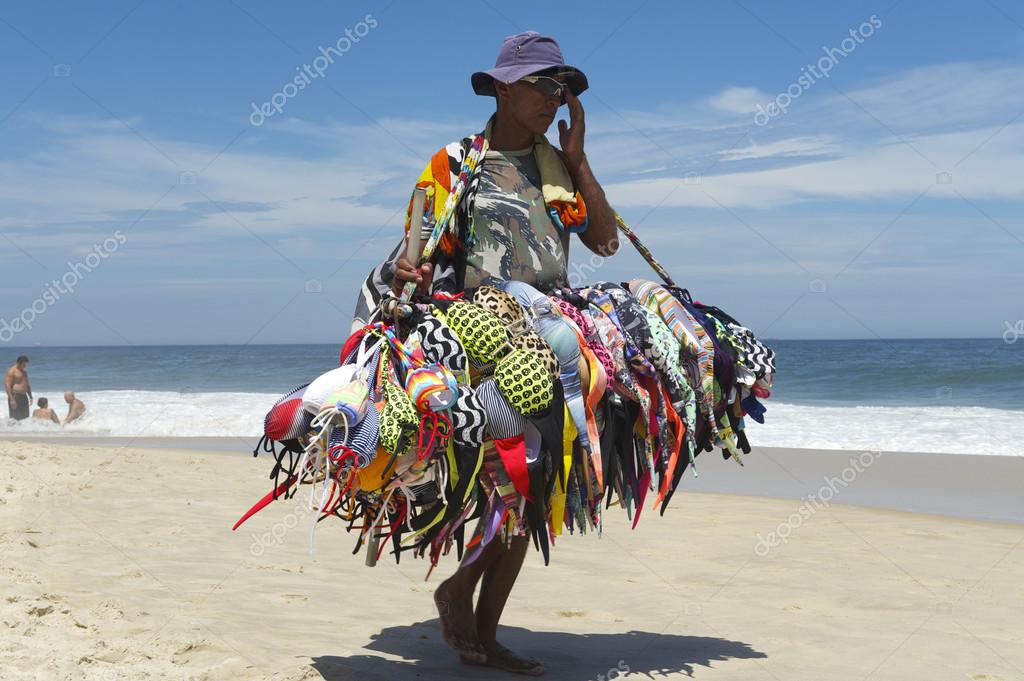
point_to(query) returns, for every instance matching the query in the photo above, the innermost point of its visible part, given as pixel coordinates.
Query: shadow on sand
(566, 656)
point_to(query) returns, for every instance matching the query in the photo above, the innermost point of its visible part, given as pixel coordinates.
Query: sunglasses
(549, 87)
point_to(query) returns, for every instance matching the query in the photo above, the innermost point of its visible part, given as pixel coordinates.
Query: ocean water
(954, 396)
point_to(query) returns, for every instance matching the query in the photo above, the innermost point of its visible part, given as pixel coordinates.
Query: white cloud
(973, 131)
(91, 177)
(873, 173)
(939, 97)
(737, 100)
(795, 146)
(298, 177)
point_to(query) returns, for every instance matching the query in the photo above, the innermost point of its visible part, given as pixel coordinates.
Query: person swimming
(44, 412)
(75, 407)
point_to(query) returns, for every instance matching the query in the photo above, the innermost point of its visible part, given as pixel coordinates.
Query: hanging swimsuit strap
(639, 246)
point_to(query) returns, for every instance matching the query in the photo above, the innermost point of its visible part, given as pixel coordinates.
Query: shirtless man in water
(18, 389)
(75, 407)
(44, 412)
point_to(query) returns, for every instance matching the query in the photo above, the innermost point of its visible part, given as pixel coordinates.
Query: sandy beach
(118, 563)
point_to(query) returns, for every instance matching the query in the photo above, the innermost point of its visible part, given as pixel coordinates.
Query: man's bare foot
(458, 624)
(500, 657)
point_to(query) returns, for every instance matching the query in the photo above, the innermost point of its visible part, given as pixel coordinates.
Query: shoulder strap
(463, 217)
(443, 223)
(638, 245)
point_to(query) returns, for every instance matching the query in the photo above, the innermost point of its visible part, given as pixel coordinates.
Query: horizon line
(342, 342)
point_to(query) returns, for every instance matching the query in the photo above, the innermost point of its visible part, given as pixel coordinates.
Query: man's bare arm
(75, 412)
(600, 235)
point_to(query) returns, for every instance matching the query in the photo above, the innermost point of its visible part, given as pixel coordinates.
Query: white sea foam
(946, 429)
(144, 413)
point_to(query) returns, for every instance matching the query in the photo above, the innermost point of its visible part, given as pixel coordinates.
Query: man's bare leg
(498, 580)
(454, 601)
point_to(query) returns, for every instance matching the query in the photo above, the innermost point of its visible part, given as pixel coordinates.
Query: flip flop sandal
(496, 662)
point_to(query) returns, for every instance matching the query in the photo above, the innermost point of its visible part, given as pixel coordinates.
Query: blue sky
(885, 201)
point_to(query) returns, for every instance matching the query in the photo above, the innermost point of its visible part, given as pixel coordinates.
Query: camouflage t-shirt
(515, 236)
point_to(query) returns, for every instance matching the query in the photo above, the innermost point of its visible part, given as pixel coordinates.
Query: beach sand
(117, 562)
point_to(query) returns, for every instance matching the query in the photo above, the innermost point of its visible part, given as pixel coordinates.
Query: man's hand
(570, 137)
(404, 272)
(600, 236)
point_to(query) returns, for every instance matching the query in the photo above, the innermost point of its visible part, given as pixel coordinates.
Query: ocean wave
(147, 413)
(938, 429)
(941, 430)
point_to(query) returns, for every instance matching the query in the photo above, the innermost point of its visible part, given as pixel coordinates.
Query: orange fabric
(448, 243)
(595, 391)
(678, 428)
(436, 176)
(439, 166)
(571, 215)
(375, 475)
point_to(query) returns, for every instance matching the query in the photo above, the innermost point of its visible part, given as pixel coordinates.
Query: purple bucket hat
(524, 54)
